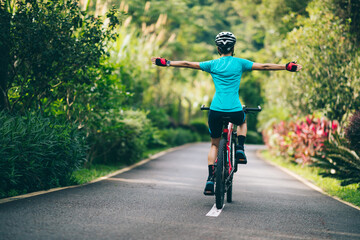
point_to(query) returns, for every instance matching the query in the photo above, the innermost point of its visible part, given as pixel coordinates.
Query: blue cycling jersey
(226, 73)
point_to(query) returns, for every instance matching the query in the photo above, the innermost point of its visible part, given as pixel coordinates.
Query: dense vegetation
(37, 153)
(326, 41)
(87, 65)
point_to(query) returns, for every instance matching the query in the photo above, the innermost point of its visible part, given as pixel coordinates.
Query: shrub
(179, 136)
(37, 153)
(299, 140)
(154, 138)
(352, 132)
(158, 117)
(202, 129)
(253, 137)
(121, 137)
(338, 160)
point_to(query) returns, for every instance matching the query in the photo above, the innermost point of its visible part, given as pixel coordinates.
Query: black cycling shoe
(209, 187)
(240, 155)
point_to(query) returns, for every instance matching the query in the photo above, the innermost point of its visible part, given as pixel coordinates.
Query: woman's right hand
(162, 62)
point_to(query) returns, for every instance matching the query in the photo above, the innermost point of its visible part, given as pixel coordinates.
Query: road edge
(305, 181)
(122, 170)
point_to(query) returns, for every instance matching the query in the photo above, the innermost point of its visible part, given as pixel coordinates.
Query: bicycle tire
(220, 175)
(232, 159)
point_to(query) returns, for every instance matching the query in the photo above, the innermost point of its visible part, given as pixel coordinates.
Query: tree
(52, 46)
(330, 80)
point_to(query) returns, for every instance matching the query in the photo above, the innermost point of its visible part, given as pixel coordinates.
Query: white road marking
(214, 212)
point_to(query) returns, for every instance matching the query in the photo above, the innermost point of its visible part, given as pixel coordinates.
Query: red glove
(162, 62)
(291, 66)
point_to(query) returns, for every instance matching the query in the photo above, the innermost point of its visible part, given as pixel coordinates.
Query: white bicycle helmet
(225, 40)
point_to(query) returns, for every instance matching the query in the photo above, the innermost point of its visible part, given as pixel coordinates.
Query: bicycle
(224, 167)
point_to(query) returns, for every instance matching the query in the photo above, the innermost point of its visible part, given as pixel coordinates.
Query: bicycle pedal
(241, 161)
(209, 193)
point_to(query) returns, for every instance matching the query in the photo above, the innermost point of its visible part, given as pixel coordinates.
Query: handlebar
(249, 110)
(245, 109)
(203, 108)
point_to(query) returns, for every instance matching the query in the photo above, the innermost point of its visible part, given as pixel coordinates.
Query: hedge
(37, 153)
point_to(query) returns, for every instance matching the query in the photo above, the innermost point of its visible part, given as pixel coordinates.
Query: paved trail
(163, 200)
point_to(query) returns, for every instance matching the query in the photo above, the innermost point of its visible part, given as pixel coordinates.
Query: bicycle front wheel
(220, 175)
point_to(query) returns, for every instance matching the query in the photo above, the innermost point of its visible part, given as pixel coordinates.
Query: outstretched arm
(184, 64)
(271, 66)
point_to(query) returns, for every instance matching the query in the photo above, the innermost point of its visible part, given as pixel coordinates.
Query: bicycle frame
(228, 133)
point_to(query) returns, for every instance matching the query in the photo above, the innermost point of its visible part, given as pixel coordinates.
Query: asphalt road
(163, 199)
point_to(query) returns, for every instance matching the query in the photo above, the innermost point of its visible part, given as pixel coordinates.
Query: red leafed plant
(299, 140)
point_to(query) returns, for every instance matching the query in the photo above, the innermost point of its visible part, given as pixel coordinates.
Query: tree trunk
(180, 111)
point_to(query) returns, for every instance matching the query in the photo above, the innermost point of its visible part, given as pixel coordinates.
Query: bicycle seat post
(226, 121)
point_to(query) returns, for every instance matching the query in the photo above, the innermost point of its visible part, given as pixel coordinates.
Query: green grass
(151, 152)
(95, 171)
(350, 193)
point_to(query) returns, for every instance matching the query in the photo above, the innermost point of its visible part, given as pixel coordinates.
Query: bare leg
(213, 150)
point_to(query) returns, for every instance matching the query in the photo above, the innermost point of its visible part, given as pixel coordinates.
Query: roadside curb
(305, 181)
(155, 156)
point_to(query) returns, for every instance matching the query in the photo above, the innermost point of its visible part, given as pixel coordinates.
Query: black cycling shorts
(215, 121)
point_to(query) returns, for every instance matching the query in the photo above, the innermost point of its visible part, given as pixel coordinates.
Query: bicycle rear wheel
(232, 159)
(220, 175)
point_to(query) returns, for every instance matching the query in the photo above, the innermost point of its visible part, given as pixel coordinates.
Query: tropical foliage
(38, 152)
(324, 40)
(340, 157)
(338, 160)
(86, 64)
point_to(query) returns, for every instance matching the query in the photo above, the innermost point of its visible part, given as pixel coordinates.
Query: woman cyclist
(226, 73)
